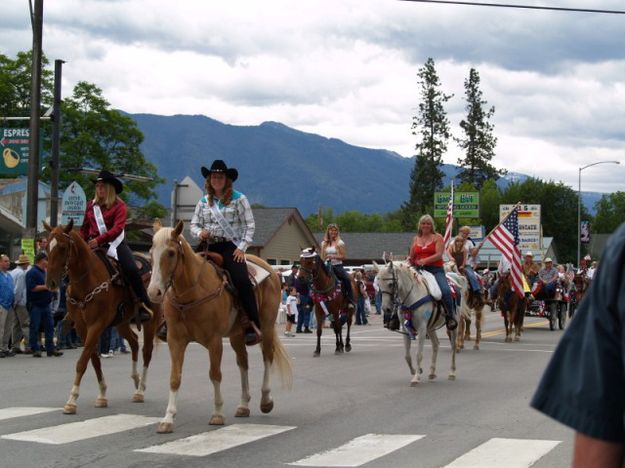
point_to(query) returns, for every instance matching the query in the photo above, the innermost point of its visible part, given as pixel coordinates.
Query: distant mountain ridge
(280, 166)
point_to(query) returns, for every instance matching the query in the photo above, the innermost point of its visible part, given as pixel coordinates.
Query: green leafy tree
(610, 213)
(490, 199)
(15, 84)
(478, 142)
(431, 127)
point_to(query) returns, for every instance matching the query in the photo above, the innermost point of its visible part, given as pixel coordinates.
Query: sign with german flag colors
(530, 232)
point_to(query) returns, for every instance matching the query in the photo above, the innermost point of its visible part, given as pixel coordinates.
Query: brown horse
(199, 307)
(328, 298)
(512, 308)
(581, 282)
(94, 301)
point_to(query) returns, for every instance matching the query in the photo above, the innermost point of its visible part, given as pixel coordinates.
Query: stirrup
(143, 305)
(451, 323)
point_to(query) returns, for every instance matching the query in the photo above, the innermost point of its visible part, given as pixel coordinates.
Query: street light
(579, 203)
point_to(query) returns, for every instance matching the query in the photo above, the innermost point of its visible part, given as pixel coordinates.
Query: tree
(610, 213)
(15, 83)
(478, 142)
(432, 129)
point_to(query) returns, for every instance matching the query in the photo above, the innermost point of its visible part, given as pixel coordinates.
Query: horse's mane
(162, 236)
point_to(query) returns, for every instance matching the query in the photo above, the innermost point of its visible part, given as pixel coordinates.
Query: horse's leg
(177, 347)
(452, 341)
(506, 322)
(407, 355)
(90, 342)
(238, 344)
(479, 314)
(269, 345)
(421, 334)
(215, 353)
(338, 334)
(126, 333)
(348, 345)
(467, 335)
(435, 344)
(461, 327)
(320, 318)
(149, 332)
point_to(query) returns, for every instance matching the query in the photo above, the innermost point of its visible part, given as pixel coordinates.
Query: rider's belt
(217, 240)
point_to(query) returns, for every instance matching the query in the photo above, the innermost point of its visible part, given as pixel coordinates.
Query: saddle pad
(430, 280)
(257, 273)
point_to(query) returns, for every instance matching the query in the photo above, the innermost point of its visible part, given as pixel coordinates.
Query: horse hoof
(69, 408)
(165, 428)
(101, 403)
(217, 420)
(138, 398)
(242, 412)
(266, 407)
(477, 347)
(316, 354)
(348, 348)
(432, 376)
(508, 340)
(414, 383)
(517, 338)
(451, 377)
(460, 348)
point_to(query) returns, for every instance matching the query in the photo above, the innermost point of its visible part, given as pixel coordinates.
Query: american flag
(449, 221)
(506, 238)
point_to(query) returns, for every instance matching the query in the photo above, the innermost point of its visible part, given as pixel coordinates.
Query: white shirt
(291, 305)
(19, 283)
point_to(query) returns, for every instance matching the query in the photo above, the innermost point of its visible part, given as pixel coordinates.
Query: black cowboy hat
(106, 176)
(220, 166)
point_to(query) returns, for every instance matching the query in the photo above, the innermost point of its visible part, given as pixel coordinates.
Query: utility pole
(32, 199)
(56, 129)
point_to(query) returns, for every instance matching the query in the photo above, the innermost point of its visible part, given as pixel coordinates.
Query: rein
(183, 307)
(398, 301)
(313, 274)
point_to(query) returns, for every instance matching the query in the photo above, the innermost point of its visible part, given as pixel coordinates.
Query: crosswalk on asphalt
(360, 450)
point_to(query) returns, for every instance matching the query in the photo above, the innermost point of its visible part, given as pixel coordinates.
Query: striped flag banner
(449, 221)
(506, 238)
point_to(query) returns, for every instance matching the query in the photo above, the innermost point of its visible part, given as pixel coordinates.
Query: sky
(348, 69)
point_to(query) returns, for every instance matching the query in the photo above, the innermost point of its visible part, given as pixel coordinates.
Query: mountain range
(280, 166)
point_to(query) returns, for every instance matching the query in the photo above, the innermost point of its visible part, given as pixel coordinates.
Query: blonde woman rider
(333, 250)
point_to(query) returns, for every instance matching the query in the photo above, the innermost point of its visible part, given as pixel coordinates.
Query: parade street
(354, 409)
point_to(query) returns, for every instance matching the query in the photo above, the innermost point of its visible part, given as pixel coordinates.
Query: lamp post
(579, 203)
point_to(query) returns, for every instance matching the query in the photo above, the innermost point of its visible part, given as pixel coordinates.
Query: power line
(524, 7)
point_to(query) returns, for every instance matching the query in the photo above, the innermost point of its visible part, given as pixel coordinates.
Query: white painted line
(225, 438)
(8, 413)
(360, 450)
(72, 432)
(511, 453)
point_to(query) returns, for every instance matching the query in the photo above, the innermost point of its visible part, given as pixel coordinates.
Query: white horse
(401, 287)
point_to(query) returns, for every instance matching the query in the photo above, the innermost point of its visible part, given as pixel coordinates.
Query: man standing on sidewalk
(20, 313)
(6, 304)
(39, 298)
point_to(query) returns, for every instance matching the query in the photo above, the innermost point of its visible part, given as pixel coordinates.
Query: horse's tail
(282, 362)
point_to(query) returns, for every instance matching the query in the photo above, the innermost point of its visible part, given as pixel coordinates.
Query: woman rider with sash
(105, 219)
(427, 252)
(223, 219)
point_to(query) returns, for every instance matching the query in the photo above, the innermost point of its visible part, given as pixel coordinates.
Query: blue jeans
(303, 312)
(378, 303)
(41, 314)
(105, 340)
(361, 317)
(475, 285)
(441, 279)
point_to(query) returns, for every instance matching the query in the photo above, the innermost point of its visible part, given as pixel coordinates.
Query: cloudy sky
(347, 69)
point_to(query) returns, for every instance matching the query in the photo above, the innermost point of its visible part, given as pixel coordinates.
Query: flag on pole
(506, 238)
(449, 221)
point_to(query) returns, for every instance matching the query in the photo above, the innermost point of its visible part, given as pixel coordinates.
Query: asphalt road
(355, 409)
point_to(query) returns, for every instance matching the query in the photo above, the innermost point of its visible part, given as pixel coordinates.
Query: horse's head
(59, 249)
(166, 253)
(387, 282)
(310, 263)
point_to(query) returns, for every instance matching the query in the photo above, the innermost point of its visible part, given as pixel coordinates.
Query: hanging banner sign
(585, 232)
(14, 145)
(74, 204)
(466, 204)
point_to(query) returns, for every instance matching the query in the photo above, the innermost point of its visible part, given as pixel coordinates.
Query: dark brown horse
(328, 297)
(512, 307)
(95, 300)
(581, 282)
(199, 307)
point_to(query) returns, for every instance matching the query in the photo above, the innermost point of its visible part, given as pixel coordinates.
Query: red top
(419, 253)
(114, 218)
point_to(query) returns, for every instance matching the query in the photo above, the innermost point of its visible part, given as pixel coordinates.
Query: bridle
(310, 274)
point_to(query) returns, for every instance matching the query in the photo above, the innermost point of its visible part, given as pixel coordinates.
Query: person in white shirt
(291, 311)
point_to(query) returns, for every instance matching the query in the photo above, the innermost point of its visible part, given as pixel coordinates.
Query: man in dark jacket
(38, 299)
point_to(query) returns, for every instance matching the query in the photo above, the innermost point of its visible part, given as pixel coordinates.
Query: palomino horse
(401, 287)
(512, 307)
(94, 301)
(467, 314)
(199, 307)
(328, 298)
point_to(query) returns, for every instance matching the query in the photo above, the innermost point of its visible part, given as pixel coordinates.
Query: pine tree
(432, 129)
(478, 142)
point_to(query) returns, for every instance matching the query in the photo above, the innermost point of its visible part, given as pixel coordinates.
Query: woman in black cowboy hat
(223, 219)
(105, 219)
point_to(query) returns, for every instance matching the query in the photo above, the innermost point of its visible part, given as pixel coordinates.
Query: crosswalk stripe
(8, 413)
(360, 450)
(72, 432)
(225, 438)
(511, 453)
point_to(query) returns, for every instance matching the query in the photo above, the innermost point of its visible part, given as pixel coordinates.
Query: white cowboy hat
(529, 254)
(548, 260)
